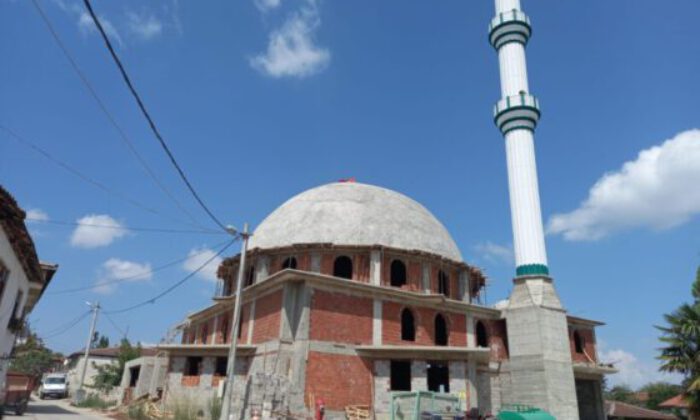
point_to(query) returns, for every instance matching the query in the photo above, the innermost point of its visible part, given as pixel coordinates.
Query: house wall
(266, 324)
(339, 380)
(90, 372)
(16, 281)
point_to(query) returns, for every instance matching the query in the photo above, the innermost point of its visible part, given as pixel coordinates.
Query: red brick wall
(361, 268)
(340, 318)
(267, 317)
(327, 264)
(338, 380)
(425, 326)
(497, 335)
(588, 345)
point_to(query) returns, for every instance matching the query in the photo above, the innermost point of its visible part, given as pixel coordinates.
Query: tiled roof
(676, 402)
(619, 409)
(12, 222)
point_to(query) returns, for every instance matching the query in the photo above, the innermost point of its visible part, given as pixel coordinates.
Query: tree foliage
(659, 392)
(99, 341)
(681, 345)
(31, 357)
(110, 375)
(621, 393)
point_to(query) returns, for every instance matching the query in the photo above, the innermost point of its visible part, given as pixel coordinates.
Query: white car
(54, 385)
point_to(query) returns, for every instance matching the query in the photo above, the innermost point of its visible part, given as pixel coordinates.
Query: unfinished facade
(351, 292)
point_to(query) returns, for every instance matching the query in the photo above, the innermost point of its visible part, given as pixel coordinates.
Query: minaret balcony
(517, 112)
(511, 26)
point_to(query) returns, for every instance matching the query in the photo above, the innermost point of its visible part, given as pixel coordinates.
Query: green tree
(32, 357)
(109, 376)
(621, 393)
(681, 346)
(659, 392)
(99, 341)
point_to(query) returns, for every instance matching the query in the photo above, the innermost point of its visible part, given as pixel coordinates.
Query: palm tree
(681, 350)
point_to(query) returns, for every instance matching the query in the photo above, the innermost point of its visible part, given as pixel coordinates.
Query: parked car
(54, 385)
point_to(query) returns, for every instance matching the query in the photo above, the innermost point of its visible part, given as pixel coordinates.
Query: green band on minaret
(532, 270)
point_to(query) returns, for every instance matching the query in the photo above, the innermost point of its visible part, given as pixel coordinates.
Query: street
(55, 410)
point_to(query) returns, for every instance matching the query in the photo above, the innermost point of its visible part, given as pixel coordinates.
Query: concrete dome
(350, 213)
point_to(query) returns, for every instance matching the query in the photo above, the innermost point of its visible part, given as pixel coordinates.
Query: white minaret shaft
(516, 115)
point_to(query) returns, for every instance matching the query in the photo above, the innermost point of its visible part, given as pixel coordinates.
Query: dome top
(350, 213)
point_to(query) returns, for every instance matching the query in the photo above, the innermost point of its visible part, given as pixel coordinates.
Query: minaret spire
(516, 115)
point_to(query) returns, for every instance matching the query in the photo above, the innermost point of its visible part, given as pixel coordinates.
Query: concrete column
(472, 393)
(375, 267)
(262, 268)
(471, 337)
(426, 277)
(458, 380)
(315, 262)
(464, 286)
(377, 323)
(251, 323)
(419, 375)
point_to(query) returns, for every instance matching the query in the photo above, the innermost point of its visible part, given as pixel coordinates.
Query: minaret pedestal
(539, 371)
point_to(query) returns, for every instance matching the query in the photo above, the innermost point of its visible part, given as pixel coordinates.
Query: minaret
(539, 371)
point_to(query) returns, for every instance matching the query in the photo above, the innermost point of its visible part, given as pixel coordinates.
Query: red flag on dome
(351, 179)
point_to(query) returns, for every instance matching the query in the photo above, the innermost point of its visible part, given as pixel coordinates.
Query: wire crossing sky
(262, 100)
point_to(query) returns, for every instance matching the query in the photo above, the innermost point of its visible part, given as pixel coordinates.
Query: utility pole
(230, 368)
(95, 307)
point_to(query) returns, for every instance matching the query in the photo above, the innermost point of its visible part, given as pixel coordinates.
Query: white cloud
(267, 5)
(658, 190)
(632, 371)
(199, 256)
(291, 51)
(495, 253)
(87, 25)
(144, 27)
(96, 230)
(37, 215)
(114, 270)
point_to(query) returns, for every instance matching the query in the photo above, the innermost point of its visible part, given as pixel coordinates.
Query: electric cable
(84, 177)
(125, 228)
(66, 328)
(125, 279)
(174, 286)
(122, 134)
(114, 324)
(145, 113)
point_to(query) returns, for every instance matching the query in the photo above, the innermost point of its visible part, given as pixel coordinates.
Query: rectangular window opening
(400, 375)
(193, 366)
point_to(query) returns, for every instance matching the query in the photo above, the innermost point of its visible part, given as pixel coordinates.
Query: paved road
(55, 410)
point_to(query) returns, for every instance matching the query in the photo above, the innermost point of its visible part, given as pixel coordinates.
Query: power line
(122, 134)
(84, 177)
(174, 286)
(145, 113)
(120, 227)
(114, 324)
(137, 276)
(68, 327)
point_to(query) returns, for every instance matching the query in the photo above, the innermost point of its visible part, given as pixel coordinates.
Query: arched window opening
(443, 283)
(482, 338)
(398, 273)
(250, 278)
(342, 267)
(290, 263)
(440, 330)
(578, 342)
(408, 326)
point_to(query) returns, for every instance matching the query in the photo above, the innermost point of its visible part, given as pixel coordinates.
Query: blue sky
(263, 99)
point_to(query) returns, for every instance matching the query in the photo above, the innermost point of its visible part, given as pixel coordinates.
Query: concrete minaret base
(540, 371)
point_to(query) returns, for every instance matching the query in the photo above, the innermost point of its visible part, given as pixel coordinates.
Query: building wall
(589, 346)
(424, 319)
(339, 380)
(341, 318)
(16, 281)
(266, 325)
(90, 371)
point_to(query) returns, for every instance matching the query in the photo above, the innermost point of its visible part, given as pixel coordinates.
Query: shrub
(215, 408)
(183, 408)
(94, 401)
(137, 412)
